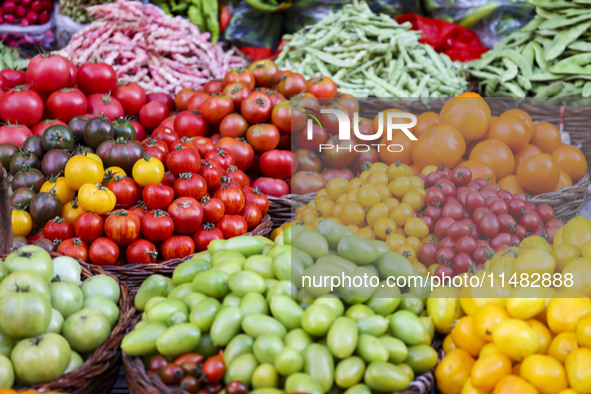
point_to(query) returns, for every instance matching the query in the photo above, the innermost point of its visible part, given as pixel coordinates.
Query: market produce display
(26, 13)
(77, 9)
(237, 296)
(10, 58)
(371, 55)
(204, 14)
(546, 58)
(145, 46)
(50, 321)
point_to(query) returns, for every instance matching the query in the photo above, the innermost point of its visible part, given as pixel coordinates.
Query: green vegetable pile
(371, 55)
(203, 13)
(238, 296)
(549, 57)
(10, 58)
(76, 9)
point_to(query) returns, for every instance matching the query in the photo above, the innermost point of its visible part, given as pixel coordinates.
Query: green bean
(563, 22)
(512, 70)
(563, 39)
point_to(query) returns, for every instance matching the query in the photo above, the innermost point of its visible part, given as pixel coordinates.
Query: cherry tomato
(214, 368)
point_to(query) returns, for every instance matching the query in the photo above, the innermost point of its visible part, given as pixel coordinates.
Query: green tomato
(40, 359)
(407, 327)
(180, 291)
(212, 283)
(257, 325)
(245, 282)
(421, 358)
(165, 310)
(239, 345)
(66, 297)
(6, 344)
(104, 305)
(154, 286)
(6, 372)
(317, 319)
(262, 265)
(24, 280)
(204, 313)
(310, 242)
(288, 361)
(86, 330)
(264, 376)
(56, 323)
(24, 314)
(186, 271)
(242, 369)
(31, 258)
(303, 383)
(178, 339)
(383, 376)
(192, 299)
(349, 372)
(142, 340)
(66, 269)
(254, 303)
(102, 285)
(266, 348)
(76, 362)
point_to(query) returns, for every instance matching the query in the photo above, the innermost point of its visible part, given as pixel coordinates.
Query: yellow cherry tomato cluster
(518, 345)
(379, 204)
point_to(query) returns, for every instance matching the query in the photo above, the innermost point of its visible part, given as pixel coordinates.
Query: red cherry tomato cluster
(26, 12)
(473, 220)
(191, 372)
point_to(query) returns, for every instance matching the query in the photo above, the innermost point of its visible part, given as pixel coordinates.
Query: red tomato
(238, 176)
(96, 78)
(152, 113)
(163, 98)
(131, 96)
(88, 227)
(233, 125)
(232, 226)
(73, 247)
(213, 86)
(307, 182)
(177, 247)
(196, 100)
(66, 104)
(103, 251)
(105, 104)
(278, 164)
(157, 225)
(190, 185)
(265, 72)
(140, 209)
(214, 368)
(141, 252)
(241, 152)
(203, 145)
(240, 75)
(206, 233)
(215, 108)
(48, 73)
(183, 160)
(232, 197)
(40, 127)
(545, 212)
(154, 151)
(213, 209)
(158, 196)
(221, 156)
(237, 92)
(211, 173)
(169, 179)
(22, 106)
(183, 142)
(322, 87)
(125, 189)
(252, 215)
(291, 84)
(58, 228)
(122, 226)
(187, 215)
(10, 78)
(236, 387)
(263, 137)
(271, 186)
(140, 132)
(258, 199)
(190, 124)
(165, 134)
(256, 108)
(14, 134)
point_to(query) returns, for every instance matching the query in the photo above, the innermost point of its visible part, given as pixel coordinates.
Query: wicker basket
(568, 201)
(99, 372)
(135, 274)
(141, 381)
(282, 209)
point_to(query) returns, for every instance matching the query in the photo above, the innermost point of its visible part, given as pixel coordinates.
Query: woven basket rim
(83, 379)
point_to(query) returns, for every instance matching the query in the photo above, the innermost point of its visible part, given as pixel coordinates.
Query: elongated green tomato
(216, 245)
(241, 368)
(382, 376)
(264, 376)
(180, 291)
(302, 383)
(358, 389)
(206, 347)
(421, 358)
(359, 311)
(357, 249)
(410, 302)
(375, 325)
(154, 286)
(282, 266)
(212, 283)
(151, 302)
(178, 339)
(397, 351)
(204, 313)
(288, 361)
(254, 303)
(317, 319)
(319, 363)
(282, 287)
(342, 337)
(239, 345)
(266, 348)
(298, 339)
(226, 325)
(257, 325)
(232, 300)
(162, 311)
(245, 245)
(186, 271)
(192, 299)
(142, 341)
(262, 265)
(286, 311)
(370, 349)
(227, 256)
(245, 282)
(406, 326)
(349, 372)
(310, 242)
(333, 231)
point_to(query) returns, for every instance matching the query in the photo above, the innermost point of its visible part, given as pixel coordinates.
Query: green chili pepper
(195, 15)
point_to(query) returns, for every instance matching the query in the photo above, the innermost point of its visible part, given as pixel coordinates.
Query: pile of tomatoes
(474, 219)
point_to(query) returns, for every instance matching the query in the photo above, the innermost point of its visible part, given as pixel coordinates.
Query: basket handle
(5, 215)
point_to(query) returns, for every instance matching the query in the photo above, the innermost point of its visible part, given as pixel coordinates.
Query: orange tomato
(546, 137)
(538, 173)
(511, 184)
(182, 98)
(562, 345)
(514, 385)
(512, 130)
(489, 370)
(570, 160)
(453, 371)
(464, 335)
(480, 170)
(469, 94)
(469, 115)
(404, 156)
(563, 181)
(521, 115)
(486, 318)
(443, 144)
(523, 154)
(426, 121)
(496, 155)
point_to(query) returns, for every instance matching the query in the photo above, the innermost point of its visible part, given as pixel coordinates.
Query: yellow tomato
(94, 157)
(22, 223)
(355, 183)
(562, 345)
(376, 212)
(367, 195)
(514, 385)
(525, 302)
(395, 241)
(416, 227)
(148, 171)
(533, 260)
(448, 344)
(378, 177)
(453, 371)
(414, 243)
(489, 370)
(383, 190)
(544, 373)
(400, 186)
(83, 169)
(352, 195)
(486, 318)
(489, 348)
(586, 250)
(401, 213)
(443, 306)
(428, 169)
(537, 242)
(407, 251)
(422, 270)
(336, 186)
(378, 167)
(337, 210)
(578, 274)
(544, 335)
(516, 339)
(464, 336)
(563, 313)
(353, 213)
(391, 203)
(72, 210)
(275, 233)
(396, 170)
(114, 171)
(578, 370)
(470, 389)
(565, 253)
(96, 198)
(576, 231)
(325, 207)
(63, 191)
(583, 331)
(383, 227)
(415, 199)
(366, 233)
